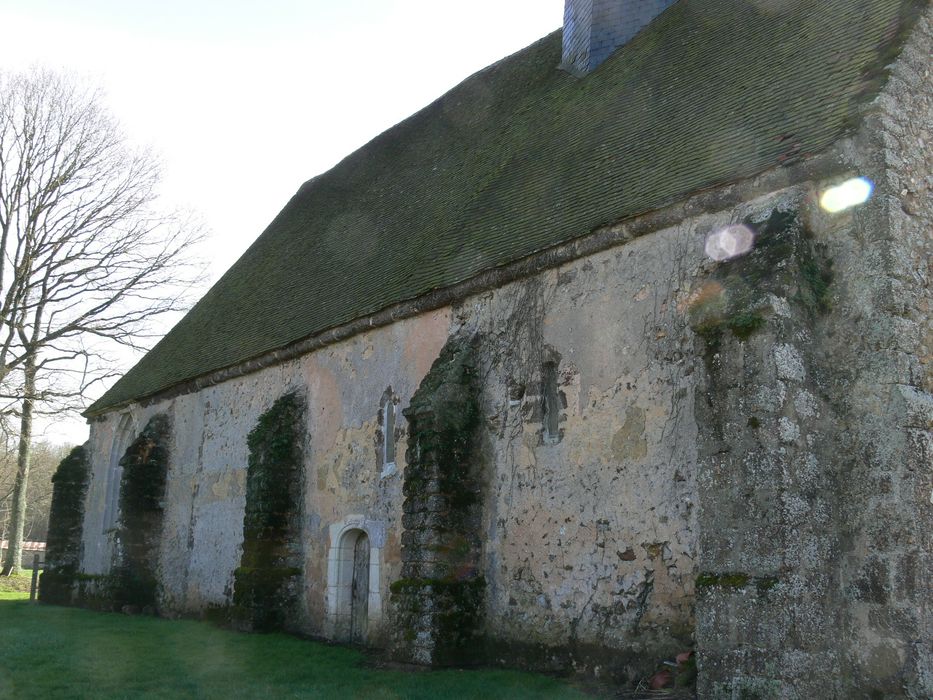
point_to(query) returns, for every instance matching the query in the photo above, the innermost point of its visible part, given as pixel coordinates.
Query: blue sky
(244, 101)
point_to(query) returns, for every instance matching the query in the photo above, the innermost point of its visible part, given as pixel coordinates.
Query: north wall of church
(345, 483)
(590, 531)
(589, 516)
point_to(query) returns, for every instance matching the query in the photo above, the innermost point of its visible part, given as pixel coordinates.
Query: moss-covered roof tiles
(521, 156)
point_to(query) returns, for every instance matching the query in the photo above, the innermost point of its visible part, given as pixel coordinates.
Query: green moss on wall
(743, 325)
(816, 273)
(736, 580)
(785, 262)
(727, 580)
(66, 526)
(265, 584)
(765, 583)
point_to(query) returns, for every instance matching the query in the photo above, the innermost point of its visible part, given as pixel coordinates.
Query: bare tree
(45, 458)
(88, 257)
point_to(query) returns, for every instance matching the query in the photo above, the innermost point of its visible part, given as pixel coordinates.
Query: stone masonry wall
(590, 534)
(815, 486)
(589, 538)
(888, 558)
(438, 602)
(769, 475)
(205, 496)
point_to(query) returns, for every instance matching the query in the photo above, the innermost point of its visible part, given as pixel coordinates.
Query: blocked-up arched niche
(122, 438)
(141, 510)
(66, 527)
(267, 581)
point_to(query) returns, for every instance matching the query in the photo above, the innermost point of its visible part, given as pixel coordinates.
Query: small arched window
(388, 435)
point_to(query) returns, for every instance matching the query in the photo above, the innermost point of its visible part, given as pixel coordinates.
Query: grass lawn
(54, 652)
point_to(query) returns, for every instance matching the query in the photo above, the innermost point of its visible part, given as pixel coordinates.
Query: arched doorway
(353, 586)
(352, 597)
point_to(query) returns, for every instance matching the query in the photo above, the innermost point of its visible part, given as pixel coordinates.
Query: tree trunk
(12, 562)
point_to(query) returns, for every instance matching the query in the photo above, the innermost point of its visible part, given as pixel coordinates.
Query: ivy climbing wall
(134, 580)
(266, 584)
(439, 600)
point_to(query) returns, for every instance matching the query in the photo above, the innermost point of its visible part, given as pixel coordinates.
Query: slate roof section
(521, 156)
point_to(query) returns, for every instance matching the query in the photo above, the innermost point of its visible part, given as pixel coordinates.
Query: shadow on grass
(54, 652)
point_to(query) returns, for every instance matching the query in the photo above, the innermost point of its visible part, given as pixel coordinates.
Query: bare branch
(88, 257)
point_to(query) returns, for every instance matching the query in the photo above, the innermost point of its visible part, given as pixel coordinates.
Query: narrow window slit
(388, 437)
(551, 401)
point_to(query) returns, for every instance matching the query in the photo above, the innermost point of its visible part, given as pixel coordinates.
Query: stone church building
(589, 362)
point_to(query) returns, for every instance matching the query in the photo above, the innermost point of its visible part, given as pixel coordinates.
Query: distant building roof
(521, 156)
(28, 545)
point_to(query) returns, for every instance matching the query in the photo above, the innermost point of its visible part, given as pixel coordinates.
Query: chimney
(593, 29)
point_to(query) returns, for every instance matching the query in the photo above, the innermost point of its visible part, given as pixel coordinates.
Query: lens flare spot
(849, 194)
(729, 242)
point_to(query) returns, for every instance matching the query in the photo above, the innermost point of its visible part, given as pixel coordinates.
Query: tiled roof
(522, 156)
